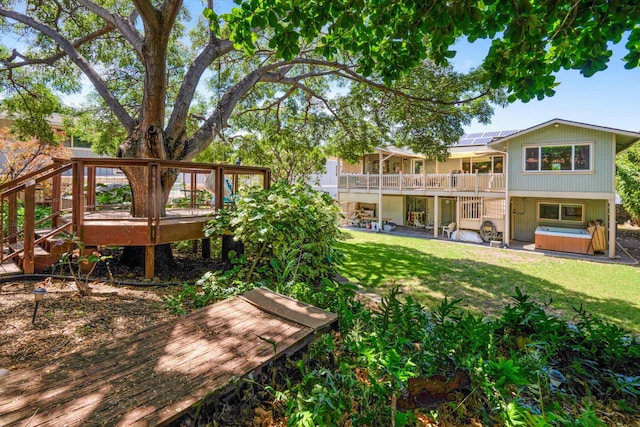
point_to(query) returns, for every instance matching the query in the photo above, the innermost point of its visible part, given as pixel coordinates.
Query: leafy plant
(79, 264)
(289, 233)
(113, 194)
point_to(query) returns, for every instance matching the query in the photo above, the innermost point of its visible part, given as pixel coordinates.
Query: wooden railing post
(194, 189)
(220, 188)
(91, 188)
(12, 217)
(56, 196)
(77, 189)
(28, 264)
(267, 179)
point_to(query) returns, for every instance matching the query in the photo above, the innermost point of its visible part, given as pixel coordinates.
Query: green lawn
(484, 278)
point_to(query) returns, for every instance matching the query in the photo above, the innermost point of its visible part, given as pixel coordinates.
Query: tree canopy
(166, 85)
(531, 40)
(628, 181)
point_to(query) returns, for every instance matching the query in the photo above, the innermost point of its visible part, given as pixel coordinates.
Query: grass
(485, 278)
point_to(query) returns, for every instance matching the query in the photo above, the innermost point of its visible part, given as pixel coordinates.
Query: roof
(55, 119)
(624, 138)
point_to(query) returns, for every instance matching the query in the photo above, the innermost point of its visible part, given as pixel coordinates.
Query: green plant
(288, 231)
(41, 212)
(113, 194)
(79, 264)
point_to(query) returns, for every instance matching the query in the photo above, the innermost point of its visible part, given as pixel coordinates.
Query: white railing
(494, 182)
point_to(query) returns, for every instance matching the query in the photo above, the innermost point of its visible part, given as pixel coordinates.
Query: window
(418, 166)
(498, 162)
(376, 166)
(560, 212)
(570, 158)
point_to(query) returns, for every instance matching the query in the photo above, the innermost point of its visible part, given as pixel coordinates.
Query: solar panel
(482, 138)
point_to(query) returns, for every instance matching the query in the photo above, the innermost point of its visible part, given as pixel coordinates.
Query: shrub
(289, 233)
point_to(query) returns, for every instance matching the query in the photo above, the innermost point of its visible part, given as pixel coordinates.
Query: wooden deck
(83, 214)
(156, 375)
(115, 228)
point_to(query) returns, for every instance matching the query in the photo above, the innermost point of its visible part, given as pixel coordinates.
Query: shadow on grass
(484, 288)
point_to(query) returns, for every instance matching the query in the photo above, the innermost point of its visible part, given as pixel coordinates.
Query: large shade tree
(146, 71)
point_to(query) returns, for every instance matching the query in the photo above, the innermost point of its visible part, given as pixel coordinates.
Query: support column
(436, 216)
(28, 264)
(149, 261)
(206, 248)
(612, 227)
(457, 218)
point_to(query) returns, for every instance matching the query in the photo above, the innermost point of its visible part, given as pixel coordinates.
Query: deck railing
(492, 182)
(74, 186)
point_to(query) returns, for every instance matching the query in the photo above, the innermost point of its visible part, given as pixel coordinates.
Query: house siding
(598, 180)
(449, 165)
(524, 211)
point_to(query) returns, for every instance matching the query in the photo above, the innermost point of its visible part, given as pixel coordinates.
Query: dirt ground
(66, 322)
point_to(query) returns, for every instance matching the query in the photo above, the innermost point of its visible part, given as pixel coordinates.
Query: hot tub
(575, 240)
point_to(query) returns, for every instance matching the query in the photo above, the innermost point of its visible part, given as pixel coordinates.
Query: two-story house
(542, 184)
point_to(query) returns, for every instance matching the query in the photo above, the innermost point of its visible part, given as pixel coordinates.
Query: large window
(571, 212)
(568, 158)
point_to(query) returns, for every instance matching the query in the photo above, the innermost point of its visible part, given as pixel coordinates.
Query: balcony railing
(486, 182)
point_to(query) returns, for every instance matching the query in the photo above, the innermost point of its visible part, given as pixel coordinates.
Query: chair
(448, 229)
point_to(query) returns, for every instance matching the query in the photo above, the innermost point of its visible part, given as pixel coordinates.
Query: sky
(609, 98)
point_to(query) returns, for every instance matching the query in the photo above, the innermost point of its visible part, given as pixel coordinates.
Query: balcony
(442, 182)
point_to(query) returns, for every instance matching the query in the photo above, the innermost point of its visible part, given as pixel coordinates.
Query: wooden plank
(29, 259)
(9, 267)
(289, 308)
(181, 230)
(155, 376)
(149, 261)
(98, 234)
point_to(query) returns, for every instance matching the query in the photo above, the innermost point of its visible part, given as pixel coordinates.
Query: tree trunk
(144, 199)
(133, 257)
(228, 245)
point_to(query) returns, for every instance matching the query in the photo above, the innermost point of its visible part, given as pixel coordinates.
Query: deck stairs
(47, 252)
(30, 249)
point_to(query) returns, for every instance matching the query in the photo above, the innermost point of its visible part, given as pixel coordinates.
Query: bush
(289, 233)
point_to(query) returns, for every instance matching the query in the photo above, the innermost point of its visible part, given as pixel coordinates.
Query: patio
(622, 256)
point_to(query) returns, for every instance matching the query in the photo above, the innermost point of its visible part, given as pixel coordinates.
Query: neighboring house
(546, 182)
(327, 181)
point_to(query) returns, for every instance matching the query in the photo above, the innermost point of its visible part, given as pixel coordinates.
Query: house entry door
(417, 211)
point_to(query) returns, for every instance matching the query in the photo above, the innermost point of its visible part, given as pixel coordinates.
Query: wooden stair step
(9, 267)
(38, 251)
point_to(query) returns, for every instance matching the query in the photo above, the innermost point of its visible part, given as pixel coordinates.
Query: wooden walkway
(156, 375)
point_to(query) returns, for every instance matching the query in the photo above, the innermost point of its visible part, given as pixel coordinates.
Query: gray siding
(523, 217)
(599, 180)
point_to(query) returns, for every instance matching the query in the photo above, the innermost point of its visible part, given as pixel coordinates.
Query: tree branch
(53, 58)
(218, 120)
(214, 50)
(352, 75)
(124, 25)
(79, 60)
